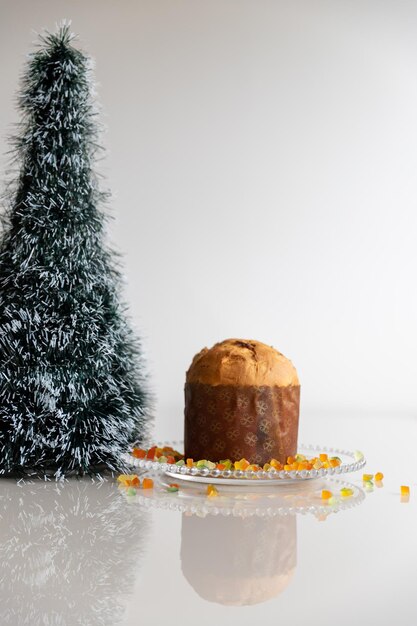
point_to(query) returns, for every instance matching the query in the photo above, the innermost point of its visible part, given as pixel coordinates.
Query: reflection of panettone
(238, 561)
(241, 400)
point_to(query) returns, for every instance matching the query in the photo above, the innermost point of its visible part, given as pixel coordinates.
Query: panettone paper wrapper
(235, 422)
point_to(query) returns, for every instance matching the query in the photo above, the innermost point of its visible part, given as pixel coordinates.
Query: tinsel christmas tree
(72, 385)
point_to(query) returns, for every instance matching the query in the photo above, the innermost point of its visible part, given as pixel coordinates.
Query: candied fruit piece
(346, 492)
(276, 464)
(212, 491)
(326, 494)
(151, 453)
(379, 476)
(323, 457)
(358, 455)
(290, 460)
(367, 477)
(337, 460)
(300, 457)
(147, 483)
(190, 462)
(405, 490)
(173, 487)
(138, 453)
(170, 460)
(131, 491)
(128, 480)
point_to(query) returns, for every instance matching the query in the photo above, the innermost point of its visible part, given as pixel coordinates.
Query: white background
(263, 163)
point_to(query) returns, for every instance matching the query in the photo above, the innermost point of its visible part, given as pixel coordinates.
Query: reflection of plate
(295, 498)
(351, 462)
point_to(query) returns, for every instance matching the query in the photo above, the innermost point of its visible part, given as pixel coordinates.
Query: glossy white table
(84, 553)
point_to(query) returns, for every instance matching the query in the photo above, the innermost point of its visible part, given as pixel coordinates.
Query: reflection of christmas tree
(66, 553)
(72, 393)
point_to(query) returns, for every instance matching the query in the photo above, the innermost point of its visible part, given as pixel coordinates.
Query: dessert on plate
(242, 400)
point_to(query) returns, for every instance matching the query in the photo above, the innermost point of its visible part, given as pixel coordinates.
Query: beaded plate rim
(241, 476)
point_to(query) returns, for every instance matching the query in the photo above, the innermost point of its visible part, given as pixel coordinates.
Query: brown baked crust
(242, 362)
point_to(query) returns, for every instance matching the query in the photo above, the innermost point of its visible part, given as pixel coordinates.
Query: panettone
(241, 400)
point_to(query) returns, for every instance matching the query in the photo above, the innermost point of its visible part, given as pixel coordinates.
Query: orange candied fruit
(147, 483)
(379, 476)
(138, 453)
(151, 453)
(170, 459)
(405, 490)
(212, 491)
(326, 494)
(189, 462)
(323, 457)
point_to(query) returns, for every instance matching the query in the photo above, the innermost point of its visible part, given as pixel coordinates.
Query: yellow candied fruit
(253, 468)
(405, 490)
(129, 480)
(243, 464)
(212, 491)
(379, 476)
(326, 494)
(367, 477)
(346, 492)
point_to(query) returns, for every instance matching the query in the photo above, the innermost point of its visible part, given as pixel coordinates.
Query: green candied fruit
(172, 489)
(162, 459)
(358, 455)
(180, 462)
(202, 463)
(300, 457)
(227, 463)
(210, 465)
(131, 491)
